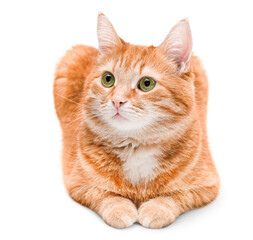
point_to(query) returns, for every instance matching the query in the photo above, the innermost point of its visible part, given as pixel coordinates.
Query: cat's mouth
(117, 116)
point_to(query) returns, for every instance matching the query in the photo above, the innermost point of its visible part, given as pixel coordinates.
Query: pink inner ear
(178, 45)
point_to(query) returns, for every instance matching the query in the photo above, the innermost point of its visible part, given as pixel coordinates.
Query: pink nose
(118, 101)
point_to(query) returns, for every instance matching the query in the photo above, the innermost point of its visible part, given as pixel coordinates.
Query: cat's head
(141, 90)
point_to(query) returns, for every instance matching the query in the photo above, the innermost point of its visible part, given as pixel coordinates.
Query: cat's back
(201, 87)
(70, 75)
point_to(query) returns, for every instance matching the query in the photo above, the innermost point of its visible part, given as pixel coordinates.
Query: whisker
(92, 116)
(69, 99)
(76, 119)
(78, 108)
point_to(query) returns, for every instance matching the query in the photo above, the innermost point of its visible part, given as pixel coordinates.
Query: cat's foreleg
(116, 211)
(162, 211)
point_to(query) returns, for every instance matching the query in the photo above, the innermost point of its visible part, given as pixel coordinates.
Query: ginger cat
(134, 128)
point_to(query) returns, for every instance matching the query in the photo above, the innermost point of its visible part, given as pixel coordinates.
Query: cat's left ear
(178, 45)
(107, 36)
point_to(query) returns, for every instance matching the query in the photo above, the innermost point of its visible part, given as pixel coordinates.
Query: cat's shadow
(185, 217)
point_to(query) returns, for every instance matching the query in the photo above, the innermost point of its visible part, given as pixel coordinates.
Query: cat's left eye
(108, 79)
(146, 84)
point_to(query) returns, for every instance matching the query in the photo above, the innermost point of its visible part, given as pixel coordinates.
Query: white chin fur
(124, 124)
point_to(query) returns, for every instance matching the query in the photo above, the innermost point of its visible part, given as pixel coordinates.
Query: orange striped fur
(158, 168)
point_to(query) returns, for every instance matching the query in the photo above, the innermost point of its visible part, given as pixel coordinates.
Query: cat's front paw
(119, 212)
(155, 214)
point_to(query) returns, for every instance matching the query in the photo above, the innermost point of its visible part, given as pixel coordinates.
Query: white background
(35, 34)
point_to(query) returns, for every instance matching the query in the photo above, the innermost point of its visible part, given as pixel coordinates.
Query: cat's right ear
(107, 36)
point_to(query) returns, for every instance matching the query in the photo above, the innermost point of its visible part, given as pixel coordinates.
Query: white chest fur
(140, 164)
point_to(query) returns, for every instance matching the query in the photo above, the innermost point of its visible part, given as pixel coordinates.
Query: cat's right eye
(107, 79)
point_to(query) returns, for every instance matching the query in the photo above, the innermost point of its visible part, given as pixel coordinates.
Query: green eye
(107, 80)
(146, 84)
